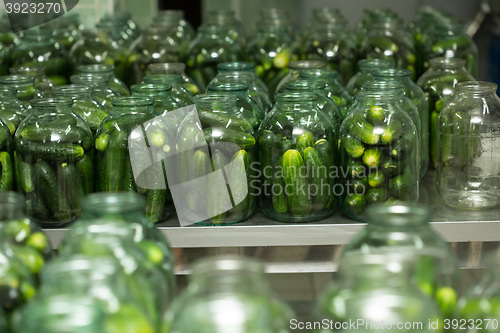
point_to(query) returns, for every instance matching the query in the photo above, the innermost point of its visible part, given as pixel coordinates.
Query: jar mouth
(292, 97)
(236, 66)
(386, 95)
(163, 78)
(96, 68)
(227, 264)
(372, 65)
(73, 89)
(397, 215)
(451, 63)
(214, 99)
(12, 199)
(382, 85)
(392, 73)
(306, 64)
(90, 78)
(305, 85)
(174, 67)
(8, 90)
(476, 87)
(51, 102)
(151, 88)
(236, 76)
(313, 73)
(233, 86)
(18, 79)
(113, 202)
(27, 70)
(74, 263)
(131, 101)
(375, 265)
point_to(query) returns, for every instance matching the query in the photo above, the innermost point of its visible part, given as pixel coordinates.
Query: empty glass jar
(468, 169)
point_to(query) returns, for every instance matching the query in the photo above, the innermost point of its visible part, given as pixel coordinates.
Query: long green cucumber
(280, 203)
(4, 136)
(304, 140)
(129, 184)
(319, 182)
(296, 184)
(114, 157)
(25, 175)
(361, 129)
(48, 134)
(218, 161)
(433, 123)
(93, 114)
(215, 119)
(267, 142)
(51, 151)
(16, 173)
(71, 185)
(243, 140)
(326, 152)
(48, 189)
(239, 177)
(199, 168)
(7, 176)
(455, 43)
(36, 208)
(155, 204)
(86, 168)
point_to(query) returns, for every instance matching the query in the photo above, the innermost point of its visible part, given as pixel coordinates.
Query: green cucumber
(280, 203)
(7, 175)
(53, 134)
(361, 129)
(114, 162)
(318, 177)
(296, 184)
(353, 147)
(376, 179)
(391, 167)
(392, 132)
(304, 140)
(16, 173)
(358, 185)
(355, 169)
(455, 43)
(376, 115)
(36, 208)
(86, 168)
(155, 204)
(50, 193)
(401, 184)
(101, 143)
(199, 167)
(355, 203)
(433, 124)
(243, 140)
(71, 185)
(4, 136)
(129, 184)
(52, 152)
(218, 161)
(326, 152)
(402, 149)
(372, 158)
(216, 119)
(267, 142)
(25, 171)
(376, 195)
(383, 44)
(240, 187)
(92, 113)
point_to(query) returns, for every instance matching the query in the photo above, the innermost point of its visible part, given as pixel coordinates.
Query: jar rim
(319, 72)
(382, 85)
(214, 97)
(35, 69)
(9, 90)
(73, 89)
(476, 87)
(17, 78)
(397, 215)
(236, 66)
(227, 263)
(113, 202)
(392, 72)
(132, 101)
(294, 97)
(305, 84)
(151, 87)
(228, 86)
(306, 64)
(163, 78)
(12, 198)
(375, 64)
(90, 77)
(51, 102)
(447, 62)
(96, 68)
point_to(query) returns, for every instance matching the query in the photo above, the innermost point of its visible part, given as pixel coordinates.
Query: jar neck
(8, 94)
(169, 79)
(363, 275)
(479, 89)
(156, 91)
(246, 77)
(74, 91)
(98, 81)
(116, 206)
(240, 93)
(317, 87)
(397, 217)
(447, 64)
(58, 105)
(216, 103)
(213, 32)
(36, 71)
(133, 104)
(97, 69)
(296, 101)
(236, 67)
(19, 81)
(167, 68)
(12, 206)
(296, 66)
(372, 65)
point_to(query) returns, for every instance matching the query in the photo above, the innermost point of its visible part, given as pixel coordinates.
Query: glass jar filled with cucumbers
(298, 160)
(177, 68)
(42, 82)
(24, 86)
(379, 154)
(7, 170)
(54, 157)
(366, 68)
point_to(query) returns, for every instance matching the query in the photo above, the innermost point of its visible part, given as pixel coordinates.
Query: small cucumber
(355, 203)
(52, 152)
(86, 168)
(361, 129)
(101, 143)
(392, 132)
(50, 193)
(376, 115)
(218, 161)
(353, 147)
(216, 119)
(155, 204)
(217, 134)
(376, 195)
(402, 149)
(25, 176)
(71, 185)
(376, 179)
(7, 176)
(304, 140)
(296, 184)
(114, 162)
(240, 186)
(326, 152)
(401, 184)
(319, 182)
(372, 158)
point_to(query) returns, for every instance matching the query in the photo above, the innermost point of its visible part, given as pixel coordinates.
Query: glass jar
(179, 27)
(366, 68)
(7, 36)
(16, 282)
(481, 302)
(4, 60)
(334, 89)
(6, 158)
(124, 242)
(417, 97)
(65, 30)
(379, 154)
(122, 154)
(451, 41)
(102, 90)
(438, 84)
(255, 92)
(245, 67)
(226, 18)
(202, 174)
(177, 68)
(332, 44)
(24, 85)
(387, 40)
(129, 26)
(117, 85)
(297, 149)
(277, 17)
(85, 105)
(405, 104)
(322, 16)
(117, 30)
(163, 101)
(376, 292)
(325, 103)
(467, 156)
(12, 111)
(222, 285)
(405, 229)
(212, 45)
(54, 149)
(370, 17)
(156, 46)
(295, 68)
(246, 105)
(42, 83)
(62, 314)
(179, 93)
(25, 238)
(38, 47)
(103, 280)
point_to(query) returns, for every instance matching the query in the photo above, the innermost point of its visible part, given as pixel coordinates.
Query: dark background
(191, 8)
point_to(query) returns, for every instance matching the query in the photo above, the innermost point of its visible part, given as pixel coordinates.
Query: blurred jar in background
(42, 82)
(226, 18)
(177, 68)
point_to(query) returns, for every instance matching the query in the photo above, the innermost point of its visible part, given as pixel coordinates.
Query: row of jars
(114, 273)
(381, 157)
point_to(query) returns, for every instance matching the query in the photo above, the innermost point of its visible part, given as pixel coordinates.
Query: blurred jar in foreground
(468, 159)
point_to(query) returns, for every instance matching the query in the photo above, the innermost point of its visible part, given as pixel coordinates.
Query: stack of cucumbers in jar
(55, 160)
